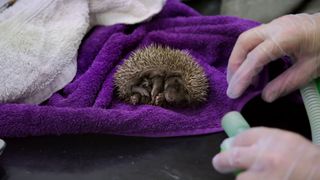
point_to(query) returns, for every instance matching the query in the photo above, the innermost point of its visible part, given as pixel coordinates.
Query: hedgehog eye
(177, 88)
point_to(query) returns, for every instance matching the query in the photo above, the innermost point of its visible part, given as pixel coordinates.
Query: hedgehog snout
(175, 96)
(170, 96)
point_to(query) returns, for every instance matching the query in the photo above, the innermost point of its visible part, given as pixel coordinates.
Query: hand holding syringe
(265, 153)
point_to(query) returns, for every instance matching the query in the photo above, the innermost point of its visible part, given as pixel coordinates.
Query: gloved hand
(297, 36)
(267, 153)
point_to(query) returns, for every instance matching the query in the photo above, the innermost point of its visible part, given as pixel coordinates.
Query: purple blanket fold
(89, 104)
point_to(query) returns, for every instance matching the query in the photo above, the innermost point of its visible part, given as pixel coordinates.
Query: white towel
(39, 40)
(38, 47)
(109, 12)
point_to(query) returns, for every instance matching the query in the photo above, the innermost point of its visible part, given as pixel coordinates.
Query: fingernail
(227, 144)
(269, 97)
(230, 92)
(215, 161)
(229, 77)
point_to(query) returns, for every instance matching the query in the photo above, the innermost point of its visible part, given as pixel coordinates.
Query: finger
(248, 175)
(251, 136)
(245, 43)
(295, 77)
(251, 67)
(235, 159)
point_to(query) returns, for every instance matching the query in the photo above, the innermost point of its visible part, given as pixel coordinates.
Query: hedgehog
(162, 76)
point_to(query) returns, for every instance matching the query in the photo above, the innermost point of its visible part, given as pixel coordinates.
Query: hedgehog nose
(169, 98)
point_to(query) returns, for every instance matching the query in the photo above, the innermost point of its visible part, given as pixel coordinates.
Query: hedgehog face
(175, 92)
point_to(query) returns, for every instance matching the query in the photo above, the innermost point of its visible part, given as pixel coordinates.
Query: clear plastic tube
(233, 122)
(311, 99)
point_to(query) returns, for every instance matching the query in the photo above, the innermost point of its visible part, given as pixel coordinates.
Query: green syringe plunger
(233, 123)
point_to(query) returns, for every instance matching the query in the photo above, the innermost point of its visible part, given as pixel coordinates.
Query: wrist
(314, 164)
(307, 163)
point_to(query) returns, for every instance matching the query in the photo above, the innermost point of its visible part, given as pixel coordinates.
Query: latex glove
(297, 36)
(270, 154)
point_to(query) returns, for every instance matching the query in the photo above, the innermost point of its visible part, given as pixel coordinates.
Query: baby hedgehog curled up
(161, 76)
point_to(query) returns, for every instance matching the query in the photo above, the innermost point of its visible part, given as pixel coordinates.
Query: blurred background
(260, 10)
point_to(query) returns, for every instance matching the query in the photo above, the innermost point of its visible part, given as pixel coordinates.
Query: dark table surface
(109, 157)
(125, 158)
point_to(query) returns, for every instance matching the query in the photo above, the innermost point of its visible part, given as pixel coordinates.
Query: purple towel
(89, 104)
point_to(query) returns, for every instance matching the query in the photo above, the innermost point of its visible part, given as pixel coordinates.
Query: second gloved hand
(274, 154)
(297, 36)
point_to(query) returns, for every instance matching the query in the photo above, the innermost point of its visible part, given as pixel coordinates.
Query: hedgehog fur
(164, 58)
